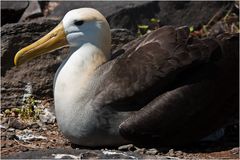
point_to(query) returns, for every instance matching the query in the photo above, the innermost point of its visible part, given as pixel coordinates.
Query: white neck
(75, 74)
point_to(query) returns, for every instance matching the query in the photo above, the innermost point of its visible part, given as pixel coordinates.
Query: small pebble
(152, 151)
(171, 152)
(15, 123)
(35, 125)
(47, 117)
(11, 129)
(140, 150)
(178, 153)
(3, 145)
(128, 147)
(9, 144)
(2, 127)
(11, 136)
(4, 120)
(3, 138)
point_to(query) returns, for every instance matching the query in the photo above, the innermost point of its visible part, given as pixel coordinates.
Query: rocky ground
(28, 125)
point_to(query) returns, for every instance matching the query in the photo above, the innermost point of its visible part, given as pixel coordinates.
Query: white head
(79, 26)
(87, 25)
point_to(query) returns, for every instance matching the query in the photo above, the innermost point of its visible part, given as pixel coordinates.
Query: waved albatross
(163, 87)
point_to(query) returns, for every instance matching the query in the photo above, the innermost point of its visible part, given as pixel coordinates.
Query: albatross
(163, 88)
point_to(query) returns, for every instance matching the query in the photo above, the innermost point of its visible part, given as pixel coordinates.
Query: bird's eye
(78, 23)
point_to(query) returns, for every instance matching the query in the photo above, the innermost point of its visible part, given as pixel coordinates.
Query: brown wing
(148, 68)
(203, 100)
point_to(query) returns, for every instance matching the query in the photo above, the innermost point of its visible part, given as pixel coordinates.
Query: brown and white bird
(163, 88)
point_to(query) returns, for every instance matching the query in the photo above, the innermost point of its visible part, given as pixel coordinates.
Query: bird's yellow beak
(53, 40)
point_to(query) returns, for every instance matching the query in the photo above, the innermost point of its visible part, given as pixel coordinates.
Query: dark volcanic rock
(130, 18)
(12, 11)
(38, 73)
(169, 13)
(17, 36)
(189, 13)
(120, 37)
(131, 14)
(106, 7)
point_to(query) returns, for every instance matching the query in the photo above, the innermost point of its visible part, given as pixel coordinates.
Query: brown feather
(174, 80)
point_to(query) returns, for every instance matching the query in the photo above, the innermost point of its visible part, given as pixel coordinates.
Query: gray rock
(11, 129)
(171, 152)
(11, 11)
(140, 150)
(11, 136)
(121, 36)
(34, 10)
(4, 120)
(168, 12)
(47, 117)
(128, 147)
(107, 8)
(35, 125)
(27, 135)
(16, 124)
(152, 151)
(3, 145)
(39, 72)
(131, 17)
(17, 36)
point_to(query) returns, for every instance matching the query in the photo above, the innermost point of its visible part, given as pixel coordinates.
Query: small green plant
(7, 112)
(191, 29)
(154, 20)
(28, 112)
(143, 28)
(29, 109)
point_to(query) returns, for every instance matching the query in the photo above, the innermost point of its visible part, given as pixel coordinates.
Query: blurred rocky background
(31, 84)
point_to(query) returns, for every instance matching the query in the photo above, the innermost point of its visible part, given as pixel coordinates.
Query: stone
(4, 120)
(131, 17)
(168, 12)
(179, 153)
(17, 36)
(140, 150)
(35, 125)
(107, 8)
(34, 10)
(39, 72)
(171, 152)
(47, 117)
(121, 36)
(128, 147)
(11, 11)
(10, 129)
(152, 151)
(11, 136)
(17, 124)
(30, 137)
(3, 145)
(9, 144)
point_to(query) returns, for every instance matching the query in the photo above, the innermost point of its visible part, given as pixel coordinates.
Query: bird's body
(98, 125)
(157, 91)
